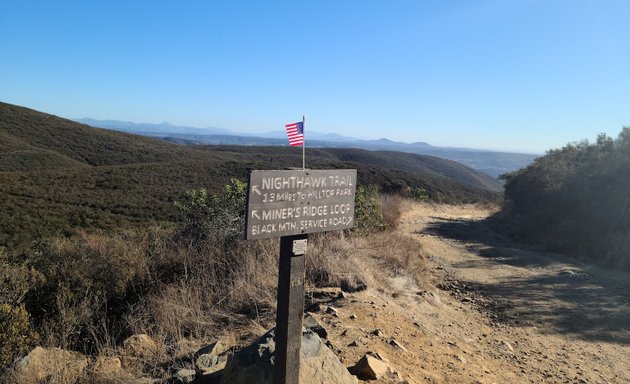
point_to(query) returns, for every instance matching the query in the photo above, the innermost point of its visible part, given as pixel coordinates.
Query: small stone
(211, 371)
(314, 308)
(352, 285)
(184, 376)
(377, 332)
(208, 361)
(354, 343)
(325, 294)
(508, 346)
(460, 358)
(369, 368)
(311, 323)
(332, 311)
(353, 317)
(379, 356)
(393, 342)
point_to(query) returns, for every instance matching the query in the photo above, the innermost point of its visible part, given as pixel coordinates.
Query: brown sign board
(291, 202)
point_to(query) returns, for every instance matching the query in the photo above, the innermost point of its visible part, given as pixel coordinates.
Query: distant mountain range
(490, 162)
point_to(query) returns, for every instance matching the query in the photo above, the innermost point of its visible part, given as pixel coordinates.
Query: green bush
(575, 200)
(213, 217)
(368, 215)
(16, 334)
(16, 280)
(84, 281)
(420, 194)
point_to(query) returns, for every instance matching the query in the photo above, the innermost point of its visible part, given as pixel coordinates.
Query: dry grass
(393, 255)
(148, 283)
(392, 207)
(332, 262)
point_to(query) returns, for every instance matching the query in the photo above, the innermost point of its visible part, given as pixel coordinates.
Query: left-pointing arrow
(255, 189)
(255, 214)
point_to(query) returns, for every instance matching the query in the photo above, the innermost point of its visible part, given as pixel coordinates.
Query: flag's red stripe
(296, 139)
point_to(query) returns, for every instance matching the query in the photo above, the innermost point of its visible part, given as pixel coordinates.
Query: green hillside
(34, 132)
(57, 176)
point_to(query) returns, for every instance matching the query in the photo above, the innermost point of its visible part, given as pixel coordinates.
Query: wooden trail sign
(283, 203)
(290, 204)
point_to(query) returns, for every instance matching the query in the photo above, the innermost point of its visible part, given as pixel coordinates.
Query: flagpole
(303, 143)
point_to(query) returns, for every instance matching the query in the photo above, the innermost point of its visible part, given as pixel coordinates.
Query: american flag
(295, 132)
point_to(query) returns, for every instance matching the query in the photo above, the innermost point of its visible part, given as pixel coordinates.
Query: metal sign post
(291, 204)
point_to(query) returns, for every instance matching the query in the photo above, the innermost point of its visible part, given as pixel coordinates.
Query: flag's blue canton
(300, 128)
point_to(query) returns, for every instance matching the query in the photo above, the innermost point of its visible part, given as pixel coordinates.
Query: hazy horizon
(280, 133)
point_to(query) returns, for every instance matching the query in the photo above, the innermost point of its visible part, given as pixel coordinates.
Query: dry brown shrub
(332, 261)
(88, 280)
(390, 255)
(207, 289)
(339, 260)
(392, 207)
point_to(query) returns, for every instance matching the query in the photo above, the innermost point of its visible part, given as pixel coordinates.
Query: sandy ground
(500, 313)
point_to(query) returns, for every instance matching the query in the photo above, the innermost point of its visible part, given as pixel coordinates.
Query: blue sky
(513, 75)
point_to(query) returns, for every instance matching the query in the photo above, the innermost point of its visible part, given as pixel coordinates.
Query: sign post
(290, 309)
(291, 204)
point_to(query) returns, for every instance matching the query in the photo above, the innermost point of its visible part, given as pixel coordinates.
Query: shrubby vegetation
(89, 291)
(368, 215)
(213, 217)
(58, 201)
(575, 200)
(16, 334)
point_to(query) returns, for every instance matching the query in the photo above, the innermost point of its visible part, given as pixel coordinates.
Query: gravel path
(500, 313)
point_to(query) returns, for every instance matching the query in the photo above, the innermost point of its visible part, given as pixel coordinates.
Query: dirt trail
(501, 314)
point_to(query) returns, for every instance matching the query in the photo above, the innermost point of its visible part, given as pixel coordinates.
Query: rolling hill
(57, 176)
(492, 163)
